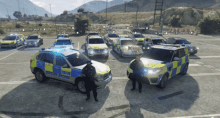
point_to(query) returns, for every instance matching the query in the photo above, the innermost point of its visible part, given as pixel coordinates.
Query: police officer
(89, 72)
(136, 66)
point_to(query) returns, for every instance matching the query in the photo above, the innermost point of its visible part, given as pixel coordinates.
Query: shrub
(40, 24)
(175, 22)
(2, 31)
(18, 26)
(209, 26)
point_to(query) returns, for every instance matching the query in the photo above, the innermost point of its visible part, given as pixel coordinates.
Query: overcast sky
(58, 6)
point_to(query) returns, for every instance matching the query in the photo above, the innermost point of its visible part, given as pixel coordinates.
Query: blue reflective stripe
(186, 60)
(41, 65)
(174, 72)
(75, 73)
(179, 62)
(55, 70)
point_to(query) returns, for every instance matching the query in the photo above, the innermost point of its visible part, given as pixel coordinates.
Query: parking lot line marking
(15, 63)
(205, 57)
(78, 45)
(200, 116)
(8, 55)
(194, 65)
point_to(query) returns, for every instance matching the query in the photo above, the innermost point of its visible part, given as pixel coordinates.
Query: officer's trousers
(90, 88)
(134, 83)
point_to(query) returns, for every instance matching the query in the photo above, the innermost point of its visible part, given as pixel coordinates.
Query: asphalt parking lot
(195, 94)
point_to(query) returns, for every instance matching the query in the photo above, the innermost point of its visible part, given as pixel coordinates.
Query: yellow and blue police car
(151, 41)
(161, 63)
(126, 47)
(63, 43)
(13, 40)
(137, 37)
(96, 46)
(66, 65)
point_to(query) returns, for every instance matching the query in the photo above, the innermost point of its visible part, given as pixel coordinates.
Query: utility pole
(106, 8)
(50, 10)
(23, 10)
(7, 12)
(162, 21)
(18, 5)
(136, 16)
(125, 6)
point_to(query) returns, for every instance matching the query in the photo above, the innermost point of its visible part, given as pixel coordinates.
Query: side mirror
(65, 66)
(176, 59)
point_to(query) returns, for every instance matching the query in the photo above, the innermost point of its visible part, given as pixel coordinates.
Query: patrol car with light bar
(151, 41)
(63, 43)
(110, 37)
(126, 47)
(66, 65)
(96, 46)
(12, 40)
(137, 37)
(162, 63)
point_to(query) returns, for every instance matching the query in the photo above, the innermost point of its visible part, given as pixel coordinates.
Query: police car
(148, 42)
(110, 37)
(96, 46)
(62, 36)
(91, 34)
(63, 43)
(161, 63)
(66, 65)
(126, 47)
(13, 40)
(137, 37)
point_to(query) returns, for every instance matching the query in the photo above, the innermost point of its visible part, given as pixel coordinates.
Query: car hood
(97, 46)
(63, 46)
(139, 39)
(32, 40)
(189, 45)
(112, 38)
(101, 68)
(7, 42)
(150, 63)
(131, 47)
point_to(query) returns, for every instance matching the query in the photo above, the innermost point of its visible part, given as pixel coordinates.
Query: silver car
(33, 41)
(109, 38)
(182, 41)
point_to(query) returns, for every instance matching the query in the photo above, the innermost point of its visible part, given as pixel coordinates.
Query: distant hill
(12, 5)
(95, 6)
(149, 5)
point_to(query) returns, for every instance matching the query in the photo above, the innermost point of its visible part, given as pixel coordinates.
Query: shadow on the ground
(180, 93)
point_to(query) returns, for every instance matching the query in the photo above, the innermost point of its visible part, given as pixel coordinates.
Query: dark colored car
(33, 41)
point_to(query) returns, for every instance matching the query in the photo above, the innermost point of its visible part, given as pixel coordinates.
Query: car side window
(40, 56)
(182, 53)
(48, 58)
(60, 61)
(177, 54)
(149, 41)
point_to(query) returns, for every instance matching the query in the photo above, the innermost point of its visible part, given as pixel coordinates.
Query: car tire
(38, 45)
(80, 85)
(40, 76)
(163, 82)
(121, 54)
(184, 71)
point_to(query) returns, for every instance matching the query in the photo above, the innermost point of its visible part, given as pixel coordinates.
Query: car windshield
(77, 59)
(127, 42)
(113, 35)
(93, 34)
(96, 41)
(181, 41)
(159, 54)
(33, 37)
(10, 38)
(63, 42)
(63, 36)
(158, 41)
(138, 36)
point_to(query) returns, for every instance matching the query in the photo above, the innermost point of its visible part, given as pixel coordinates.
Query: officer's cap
(89, 62)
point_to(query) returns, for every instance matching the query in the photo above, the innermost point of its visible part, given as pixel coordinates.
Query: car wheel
(39, 75)
(184, 71)
(121, 55)
(163, 82)
(81, 86)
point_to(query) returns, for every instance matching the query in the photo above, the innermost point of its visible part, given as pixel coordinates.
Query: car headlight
(91, 51)
(35, 42)
(106, 51)
(154, 71)
(197, 48)
(25, 42)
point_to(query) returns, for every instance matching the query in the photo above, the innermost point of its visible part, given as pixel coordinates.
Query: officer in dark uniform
(136, 66)
(89, 72)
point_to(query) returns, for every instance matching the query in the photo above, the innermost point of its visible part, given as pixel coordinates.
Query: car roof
(62, 38)
(125, 39)
(168, 47)
(34, 35)
(155, 38)
(136, 33)
(91, 37)
(64, 52)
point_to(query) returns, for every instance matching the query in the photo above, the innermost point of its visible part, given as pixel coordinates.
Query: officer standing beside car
(137, 65)
(90, 72)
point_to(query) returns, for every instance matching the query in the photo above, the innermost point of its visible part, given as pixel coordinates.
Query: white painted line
(200, 116)
(205, 57)
(15, 63)
(194, 65)
(8, 55)
(78, 45)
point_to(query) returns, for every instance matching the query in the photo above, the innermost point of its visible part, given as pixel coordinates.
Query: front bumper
(97, 53)
(8, 45)
(30, 44)
(131, 54)
(102, 83)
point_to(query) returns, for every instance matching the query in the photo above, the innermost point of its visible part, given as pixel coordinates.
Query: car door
(49, 61)
(40, 62)
(176, 64)
(61, 69)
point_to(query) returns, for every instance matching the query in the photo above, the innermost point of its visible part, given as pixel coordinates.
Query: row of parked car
(16, 40)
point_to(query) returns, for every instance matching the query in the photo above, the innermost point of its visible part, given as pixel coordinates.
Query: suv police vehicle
(126, 47)
(91, 34)
(110, 37)
(148, 42)
(12, 40)
(63, 43)
(96, 46)
(137, 37)
(66, 65)
(163, 62)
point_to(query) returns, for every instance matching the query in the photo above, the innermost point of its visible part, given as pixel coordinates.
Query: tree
(174, 22)
(25, 15)
(209, 26)
(65, 12)
(46, 15)
(17, 14)
(80, 10)
(81, 25)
